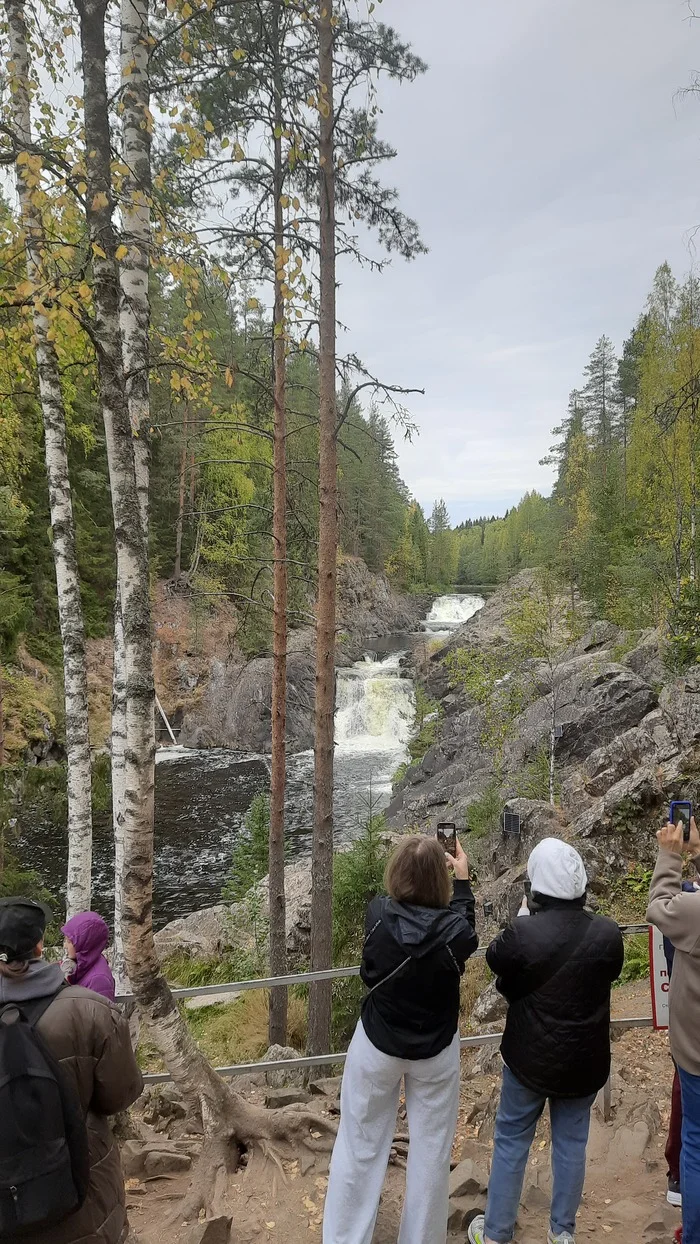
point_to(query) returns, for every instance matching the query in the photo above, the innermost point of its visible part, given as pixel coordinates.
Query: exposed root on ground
(243, 1128)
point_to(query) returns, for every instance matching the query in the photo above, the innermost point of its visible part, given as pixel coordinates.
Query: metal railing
(330, 1060)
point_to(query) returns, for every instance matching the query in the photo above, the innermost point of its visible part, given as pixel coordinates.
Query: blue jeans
(690, 1156)
(518, 1113)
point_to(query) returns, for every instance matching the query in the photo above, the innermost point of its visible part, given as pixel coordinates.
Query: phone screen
(447, 837)
(681, 813)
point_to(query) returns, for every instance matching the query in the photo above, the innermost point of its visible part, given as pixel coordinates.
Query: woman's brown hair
(417, 873)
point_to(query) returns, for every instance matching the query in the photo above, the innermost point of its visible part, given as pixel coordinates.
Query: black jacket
(557, 1038)
(414, 1013)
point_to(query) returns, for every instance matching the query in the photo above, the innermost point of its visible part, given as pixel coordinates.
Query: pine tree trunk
(322, 848)
(278, 907)
(70, 614)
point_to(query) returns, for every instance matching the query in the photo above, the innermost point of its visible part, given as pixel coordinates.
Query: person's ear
(39, 949)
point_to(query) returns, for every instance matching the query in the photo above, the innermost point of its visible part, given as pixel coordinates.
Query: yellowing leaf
(98, 251)
(253, 304)
(229, 377)
(100, 200)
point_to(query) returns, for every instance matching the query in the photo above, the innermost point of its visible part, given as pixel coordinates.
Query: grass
(476, 977)
(484, 814)
(636, 966)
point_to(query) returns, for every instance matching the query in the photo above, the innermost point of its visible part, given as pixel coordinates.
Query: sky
(552, 167)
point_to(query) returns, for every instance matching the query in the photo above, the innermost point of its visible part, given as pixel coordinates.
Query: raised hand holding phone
(459, 862)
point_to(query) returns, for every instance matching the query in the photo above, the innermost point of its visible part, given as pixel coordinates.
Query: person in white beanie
(555, 970)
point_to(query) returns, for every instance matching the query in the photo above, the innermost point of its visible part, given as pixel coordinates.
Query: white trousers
(368, 1104)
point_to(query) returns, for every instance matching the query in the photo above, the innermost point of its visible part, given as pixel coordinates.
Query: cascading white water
(375, 707)
(450, 612)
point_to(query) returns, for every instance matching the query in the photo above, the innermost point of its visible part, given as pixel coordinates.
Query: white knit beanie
(557, 870)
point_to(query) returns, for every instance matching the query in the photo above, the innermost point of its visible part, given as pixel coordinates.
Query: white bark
(134, 323)
(118, 789)
(78, 888)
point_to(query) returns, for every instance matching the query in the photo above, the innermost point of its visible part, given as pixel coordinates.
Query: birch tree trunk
(230, 1123)
(278, 923)
(132, 561)
(134, 323)
(70, 613)
(322, 847)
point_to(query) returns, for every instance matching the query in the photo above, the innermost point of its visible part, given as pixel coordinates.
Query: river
(202, 796)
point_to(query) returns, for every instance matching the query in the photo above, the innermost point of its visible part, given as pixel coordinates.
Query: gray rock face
(208, 933)
(235, 707)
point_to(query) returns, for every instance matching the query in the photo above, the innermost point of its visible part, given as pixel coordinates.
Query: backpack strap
(536, 978)
(33, 1010)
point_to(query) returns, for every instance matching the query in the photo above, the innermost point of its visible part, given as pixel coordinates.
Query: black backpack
(44, 1163)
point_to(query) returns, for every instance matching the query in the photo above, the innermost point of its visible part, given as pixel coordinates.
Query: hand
(459, 862)
(692, 846)
(670, 838)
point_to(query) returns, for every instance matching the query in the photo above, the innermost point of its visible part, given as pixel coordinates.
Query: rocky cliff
(628, 741)
(233, 708)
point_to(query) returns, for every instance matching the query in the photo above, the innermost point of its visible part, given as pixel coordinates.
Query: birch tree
(28, 179)
(134, 328)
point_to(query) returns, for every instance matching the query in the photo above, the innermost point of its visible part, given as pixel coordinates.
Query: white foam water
(450, 612)
(375, 707)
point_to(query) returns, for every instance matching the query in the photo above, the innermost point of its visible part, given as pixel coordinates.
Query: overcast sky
(552, 169)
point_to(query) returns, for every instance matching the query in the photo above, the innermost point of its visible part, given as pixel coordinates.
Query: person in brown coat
(90, 1039)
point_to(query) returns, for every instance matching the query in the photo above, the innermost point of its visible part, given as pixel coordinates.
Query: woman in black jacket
(555, 970)
(417, 943)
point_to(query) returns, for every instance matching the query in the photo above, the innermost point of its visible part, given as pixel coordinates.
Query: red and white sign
(660, 982)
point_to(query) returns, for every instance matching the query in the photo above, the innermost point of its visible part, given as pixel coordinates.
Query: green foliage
(484, 814)
(636, 965)
(101, 786)
(488, 678)
(249, 860)
(532, 782)
(684, 629)
(358, 875)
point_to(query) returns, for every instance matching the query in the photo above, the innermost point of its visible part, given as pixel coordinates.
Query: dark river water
(202, 796)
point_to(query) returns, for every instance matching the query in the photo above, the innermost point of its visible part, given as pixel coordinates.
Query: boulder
(201, 935)
(596, 701)
(278, 1098)
(490, 1006)
(283, 1077)
(467, 1180)
(209, 1231)
(158, 1163)
(208, 933)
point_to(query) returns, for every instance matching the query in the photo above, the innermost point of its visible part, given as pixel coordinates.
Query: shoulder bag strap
(536, 978)
(384, 979)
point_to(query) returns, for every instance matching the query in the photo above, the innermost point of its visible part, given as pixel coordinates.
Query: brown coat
(91, 1040)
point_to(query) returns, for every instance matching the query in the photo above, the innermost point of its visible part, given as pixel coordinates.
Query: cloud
(552, 168)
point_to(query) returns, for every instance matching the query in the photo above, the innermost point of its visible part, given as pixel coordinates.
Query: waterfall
(450, 612)
(375, 707)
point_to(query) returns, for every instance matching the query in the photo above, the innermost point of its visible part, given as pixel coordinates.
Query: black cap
(22, 925)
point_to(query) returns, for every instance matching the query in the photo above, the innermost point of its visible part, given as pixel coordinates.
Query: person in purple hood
(85, 938)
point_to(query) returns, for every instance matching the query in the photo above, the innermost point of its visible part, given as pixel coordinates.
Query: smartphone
(681, 812)
(447, 837)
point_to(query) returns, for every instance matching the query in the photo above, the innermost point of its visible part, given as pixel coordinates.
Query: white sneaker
(475, 1231)
(565, 1238)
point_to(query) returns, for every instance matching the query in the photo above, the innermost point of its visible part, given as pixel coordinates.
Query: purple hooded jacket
(90, 935)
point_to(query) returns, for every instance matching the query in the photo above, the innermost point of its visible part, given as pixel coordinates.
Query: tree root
(241, 1127)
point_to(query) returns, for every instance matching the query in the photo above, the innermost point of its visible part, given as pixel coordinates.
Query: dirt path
(625, 1187)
